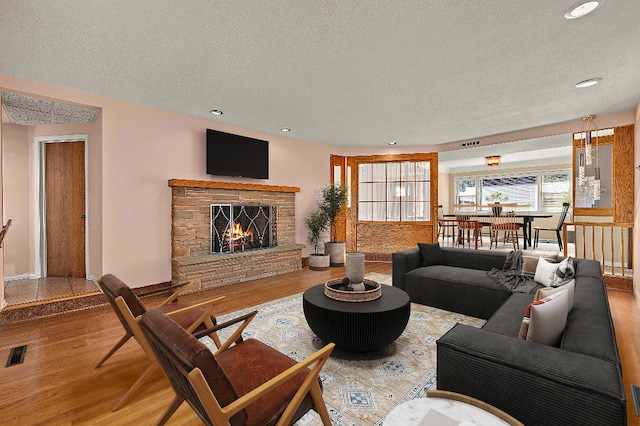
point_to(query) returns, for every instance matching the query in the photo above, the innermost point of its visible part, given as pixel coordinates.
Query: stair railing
(610, 243)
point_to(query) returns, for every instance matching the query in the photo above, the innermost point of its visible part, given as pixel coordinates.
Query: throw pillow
(545, 319)
(570, 286)
(431, 254)
(529, 264)
(566, 270)
(545, 272)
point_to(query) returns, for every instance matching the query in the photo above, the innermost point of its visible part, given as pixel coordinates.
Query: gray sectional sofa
(579, 382)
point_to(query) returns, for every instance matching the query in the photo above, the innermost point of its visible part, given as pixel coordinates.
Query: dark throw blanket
(509, 277)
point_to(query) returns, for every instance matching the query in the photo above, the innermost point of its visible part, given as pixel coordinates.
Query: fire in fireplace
(238, 228)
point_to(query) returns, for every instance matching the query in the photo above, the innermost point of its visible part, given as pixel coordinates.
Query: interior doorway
(62, 208)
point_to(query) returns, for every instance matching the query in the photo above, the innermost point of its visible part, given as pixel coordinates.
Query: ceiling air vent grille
(472, 143)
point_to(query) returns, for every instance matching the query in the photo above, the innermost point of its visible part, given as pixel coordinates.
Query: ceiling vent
(466, 144)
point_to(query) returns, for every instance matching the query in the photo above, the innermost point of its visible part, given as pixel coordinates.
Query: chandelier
(589, 128)
(492, 160)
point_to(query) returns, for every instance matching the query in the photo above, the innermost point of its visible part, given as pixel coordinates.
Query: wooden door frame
(40, 225)
(353, 225)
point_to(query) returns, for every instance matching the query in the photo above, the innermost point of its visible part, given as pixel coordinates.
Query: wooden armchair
(244, 383)
(128, 308)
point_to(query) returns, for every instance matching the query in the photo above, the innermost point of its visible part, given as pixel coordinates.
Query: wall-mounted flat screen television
(235, 155)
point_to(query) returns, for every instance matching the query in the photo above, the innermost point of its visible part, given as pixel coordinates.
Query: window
(543, 191)
(394, 191)
(556, 189)
(466, 191)
(514, 189)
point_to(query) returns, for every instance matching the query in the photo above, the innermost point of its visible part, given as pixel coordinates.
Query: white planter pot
(337, 252)
(319, 262)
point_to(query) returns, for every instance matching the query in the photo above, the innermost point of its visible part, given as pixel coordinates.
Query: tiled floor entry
(17, 292)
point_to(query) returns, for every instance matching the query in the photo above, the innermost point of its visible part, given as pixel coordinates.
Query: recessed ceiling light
(392, 143)
(285, 129)
(582, 8)
(588, 83)
(216, 112)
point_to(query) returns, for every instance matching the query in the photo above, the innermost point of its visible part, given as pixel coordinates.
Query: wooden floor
(58, 384)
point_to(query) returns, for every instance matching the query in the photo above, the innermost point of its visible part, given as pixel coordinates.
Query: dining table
(527, 219)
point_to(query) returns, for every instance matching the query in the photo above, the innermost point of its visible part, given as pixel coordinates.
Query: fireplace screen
(238, 228)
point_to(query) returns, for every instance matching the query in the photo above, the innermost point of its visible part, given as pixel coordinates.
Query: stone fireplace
(224, 233)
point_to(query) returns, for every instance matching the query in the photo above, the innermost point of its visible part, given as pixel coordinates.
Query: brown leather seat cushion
(185, 319)
(114, 287)
(231, 374)
(252, 363)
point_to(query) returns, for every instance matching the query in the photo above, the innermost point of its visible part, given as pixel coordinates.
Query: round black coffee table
(357, 326)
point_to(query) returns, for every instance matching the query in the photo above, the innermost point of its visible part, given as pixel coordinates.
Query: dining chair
(505, 222)
(244, 382)
(446, 227)
(454, 396)
(467, 224)
(557, 229)
(128, 307)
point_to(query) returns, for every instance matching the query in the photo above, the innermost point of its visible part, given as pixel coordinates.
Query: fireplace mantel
(185, 183)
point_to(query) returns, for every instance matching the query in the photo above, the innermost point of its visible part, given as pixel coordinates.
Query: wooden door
(65, 208)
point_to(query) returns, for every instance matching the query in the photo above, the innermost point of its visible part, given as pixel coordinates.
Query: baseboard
(21, 277)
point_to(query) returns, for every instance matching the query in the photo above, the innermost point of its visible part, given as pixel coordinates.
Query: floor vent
(16, 356)
(635, 393)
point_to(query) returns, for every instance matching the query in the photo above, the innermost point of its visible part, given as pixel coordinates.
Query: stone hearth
(192, 261)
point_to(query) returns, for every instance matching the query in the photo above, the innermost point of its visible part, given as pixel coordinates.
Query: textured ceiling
(337, 72)
(30, 111)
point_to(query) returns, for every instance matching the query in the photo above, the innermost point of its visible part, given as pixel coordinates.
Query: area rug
(359, 388)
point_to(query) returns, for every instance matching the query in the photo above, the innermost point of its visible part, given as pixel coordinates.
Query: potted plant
(317, 222)
(333, 198)
(496, 198)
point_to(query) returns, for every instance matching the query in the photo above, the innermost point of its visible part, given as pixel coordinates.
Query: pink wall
(636, 220)
(2, 301)
(16, 190)
(142, 148)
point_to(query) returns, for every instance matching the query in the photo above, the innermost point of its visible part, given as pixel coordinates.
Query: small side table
(440, 412)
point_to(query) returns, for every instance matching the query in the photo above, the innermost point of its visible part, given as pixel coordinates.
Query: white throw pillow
(545, 272)
(548, 291)
(530, 263)
(544, 320)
